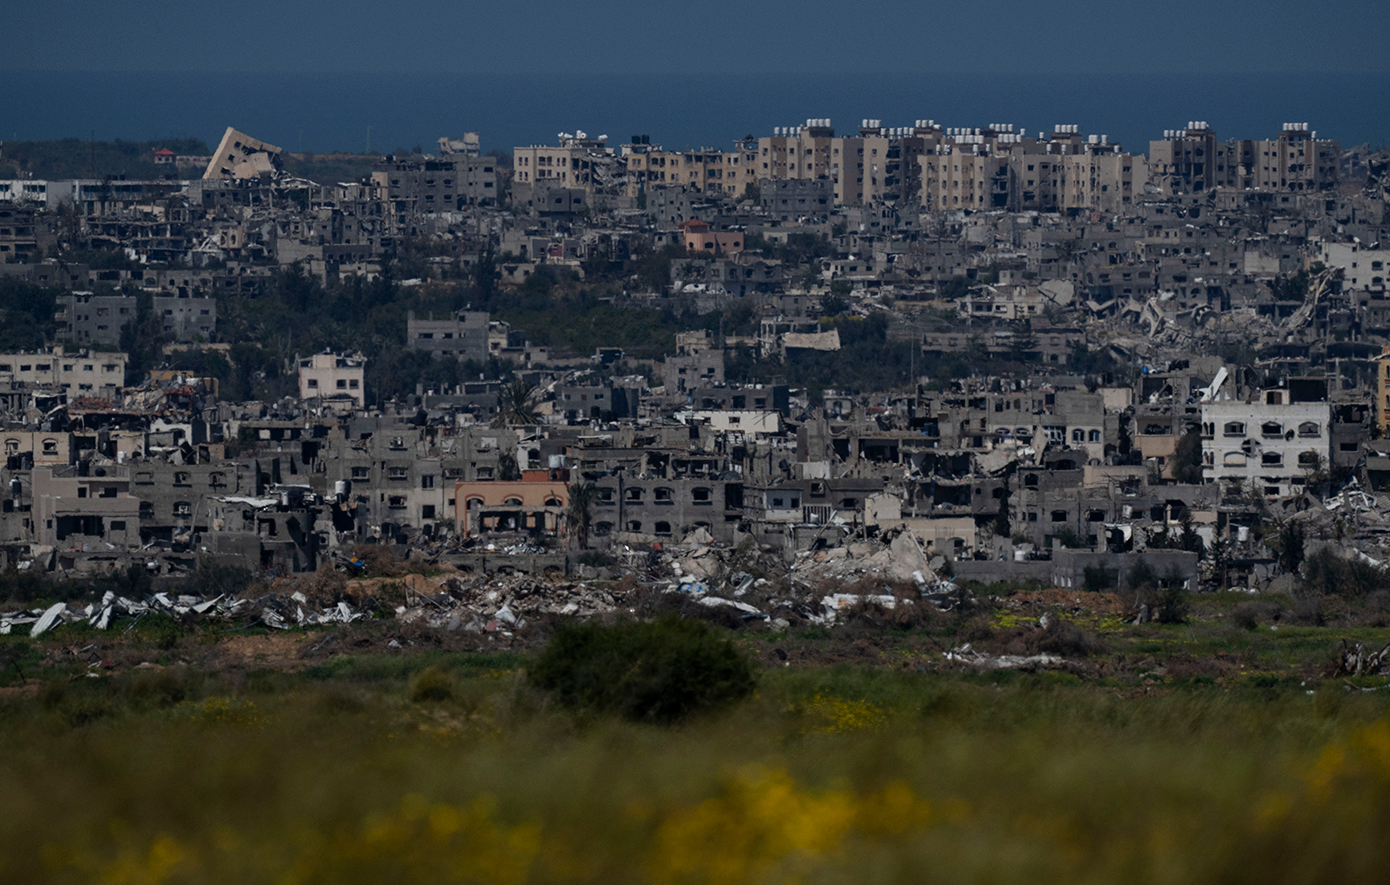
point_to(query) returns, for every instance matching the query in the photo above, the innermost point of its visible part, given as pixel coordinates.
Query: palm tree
(578, 515)
(516, 403)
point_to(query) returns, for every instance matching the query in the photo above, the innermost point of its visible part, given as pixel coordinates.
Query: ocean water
(323, 112)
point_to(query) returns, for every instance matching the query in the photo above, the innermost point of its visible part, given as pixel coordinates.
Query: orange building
(700, 240)
(536, 502)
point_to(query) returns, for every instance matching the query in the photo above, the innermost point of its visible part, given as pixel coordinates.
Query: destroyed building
(1099, 355)
(239, 156)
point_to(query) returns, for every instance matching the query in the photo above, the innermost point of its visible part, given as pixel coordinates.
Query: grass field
(1198, 752)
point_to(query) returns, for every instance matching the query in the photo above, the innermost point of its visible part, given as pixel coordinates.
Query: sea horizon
(385, 112)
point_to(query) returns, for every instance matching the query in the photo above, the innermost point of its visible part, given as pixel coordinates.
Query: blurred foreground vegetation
(447, 767)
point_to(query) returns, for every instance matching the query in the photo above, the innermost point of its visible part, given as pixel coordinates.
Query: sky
(714, 36)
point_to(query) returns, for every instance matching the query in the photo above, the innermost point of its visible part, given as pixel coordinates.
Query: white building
(80, 373)
(1271, 443)
(1363, 269)
(746, 421)
(333, 376)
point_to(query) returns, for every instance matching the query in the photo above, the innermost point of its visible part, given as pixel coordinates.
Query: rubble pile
(752, 586)
(894, 556)
(901, 559)
(505, 604)
(1359, 519)
(278, 611)
(757, 585)
(450, 603)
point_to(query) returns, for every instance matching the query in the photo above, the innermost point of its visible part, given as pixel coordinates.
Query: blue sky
(617, 36)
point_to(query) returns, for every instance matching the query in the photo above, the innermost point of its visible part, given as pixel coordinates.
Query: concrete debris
(504, 604)
(833, 604)
(970, 657)
(1357, 660)
(744, 607)
(742, 582)
(272, 611)
(901, 559)
(756, 586)
(48, 618)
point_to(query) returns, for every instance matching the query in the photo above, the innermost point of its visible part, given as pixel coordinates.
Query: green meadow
(453, 767)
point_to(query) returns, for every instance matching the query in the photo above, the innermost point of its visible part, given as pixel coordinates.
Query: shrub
(1248, 615)
(77, 702)
(1141, 574)
(1325, 573)
(21, 587)
(380, 562)
(905, 615)
(432, 684)
(325, 586)
(654, 671)
(157, 629)
(28, 587)
(1059, 637)
(1066, 639)
(1307, 610)
(1171, 604)
(211, 579)
(1070, 539)
(1098, 578)
(719, 616)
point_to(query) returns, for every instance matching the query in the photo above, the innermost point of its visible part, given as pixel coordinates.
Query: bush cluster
(1059, 637)
(1327, 574)
(651, 671)
(1249, 615)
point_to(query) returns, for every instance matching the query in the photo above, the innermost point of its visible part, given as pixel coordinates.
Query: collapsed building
(1145, 351)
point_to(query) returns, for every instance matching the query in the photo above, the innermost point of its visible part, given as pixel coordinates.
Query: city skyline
(323, 113)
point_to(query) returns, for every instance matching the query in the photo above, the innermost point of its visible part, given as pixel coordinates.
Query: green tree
(1171, 603)
(1067, 250)
(143, 338)
(1069, 539)
(1189, 540)
(1024, 343)
(485, 278)
(1327, 573)
(579, 512)
(833, 304)
(1220, 560)
(1001, 519)
(954, 288)
(26, 315)
(976, 351)
(1141, 575)
(1289, 542)
(1187, 458)
(507, 469)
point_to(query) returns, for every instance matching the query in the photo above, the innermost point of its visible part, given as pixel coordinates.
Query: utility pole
(369, 139)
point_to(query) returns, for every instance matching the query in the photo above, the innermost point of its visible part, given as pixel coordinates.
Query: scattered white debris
(49, 618)
(966, 655)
